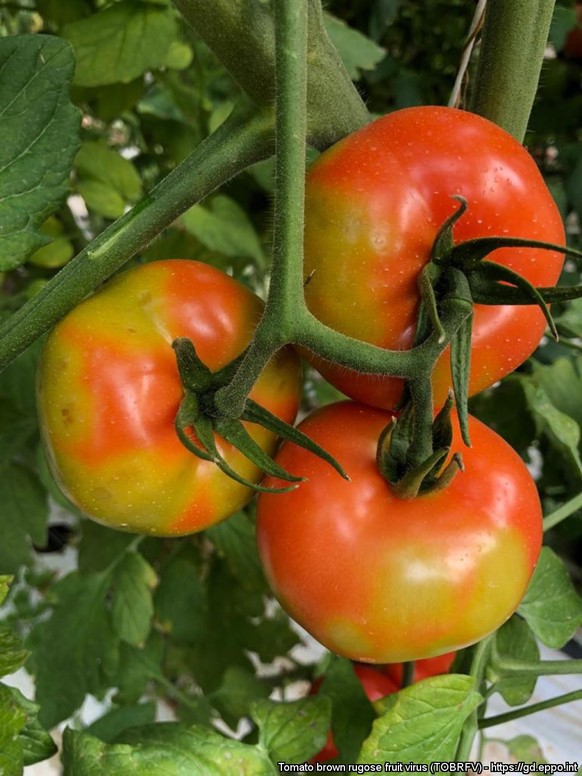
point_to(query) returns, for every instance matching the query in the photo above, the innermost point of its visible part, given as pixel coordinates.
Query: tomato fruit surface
(379, 579)
(374, 203)
(109, 391)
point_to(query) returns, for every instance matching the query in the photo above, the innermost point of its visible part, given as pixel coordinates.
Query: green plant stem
(563, 512)
(515, 34)
(471, 726)
(242, 35)
(244, 138)
(515, 667)
(551, 703)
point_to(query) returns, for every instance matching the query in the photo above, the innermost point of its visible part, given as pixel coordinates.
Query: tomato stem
(563, 512)
(551, 703)
(479, 662)
(514, 39)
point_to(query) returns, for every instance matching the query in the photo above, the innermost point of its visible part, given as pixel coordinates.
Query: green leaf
(12, 721)
(356, 50)
(239, 689)
(5, 582)
(235, 541)
(424, 723)
(562, 431)
(121, 42)
(562, 385)
(121, 718)
(38, 139)
(180, 599)
(293, 732)
(223, 226)
(106, 180)
(36, 743)
(100, 547)
(12, 653)
(163, 749)
(18, 382)
(525, 749)
(23, 516)
(62, 13)
(16, 430)
(352, 712)
(551, 606)
(137, 667)
(75, 652)
(515, 640)
(563, 20)
(133, 582)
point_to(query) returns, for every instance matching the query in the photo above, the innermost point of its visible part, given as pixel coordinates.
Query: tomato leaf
(239, 690)
(180, 599)
(121, 718)
(120, 42)
(551, 606)
(133, 608)
(293, 732)
(356, 50)
(515, 640)
(12, 654)
(22, 739)
(424, 724)
(38, 139)
(75, 651)
(107, 181)
(352, 713)
(562, 431)
(235, 541)
(23, 516)
(525, 749)
(223, 226)
(162, 749)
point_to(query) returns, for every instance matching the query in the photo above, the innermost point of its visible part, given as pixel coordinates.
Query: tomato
(374, 203)
(380, 579)
(109, 391)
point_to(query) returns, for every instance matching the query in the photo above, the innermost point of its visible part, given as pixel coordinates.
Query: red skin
(109, 391)
(374, 203)
(379, 579)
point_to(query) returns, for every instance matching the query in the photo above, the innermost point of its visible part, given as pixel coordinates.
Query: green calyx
(433, 473)
(412, 452)
(198, 422)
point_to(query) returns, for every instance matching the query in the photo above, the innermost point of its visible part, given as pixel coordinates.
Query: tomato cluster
(375, 577)
(372, 576)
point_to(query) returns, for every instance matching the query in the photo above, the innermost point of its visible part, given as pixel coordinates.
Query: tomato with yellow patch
(109, 391)
(380, 579)
(374, 204)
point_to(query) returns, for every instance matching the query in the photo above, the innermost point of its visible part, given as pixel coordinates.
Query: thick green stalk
(286, 292)
(244, 138)
(512, 49)
(242, 35)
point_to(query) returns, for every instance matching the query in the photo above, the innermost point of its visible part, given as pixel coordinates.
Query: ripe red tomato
(374, 203)
(109, 391)
(379, 579)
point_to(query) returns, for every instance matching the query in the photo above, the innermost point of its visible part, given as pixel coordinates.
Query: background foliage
(189, 622)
